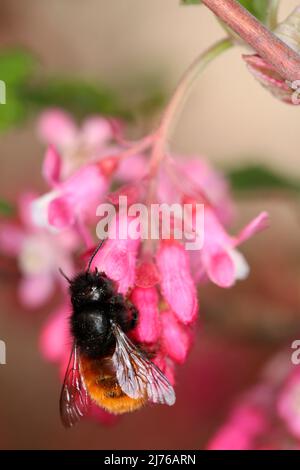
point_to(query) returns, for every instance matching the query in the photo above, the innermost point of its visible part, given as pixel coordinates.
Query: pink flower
(289, 403)
(177, 285)
(194, 178)
(219, 258)
(39, 255)
(78, 146)
(248, 422)
(117, 258)
(149, 327)
(176, 338)
(245, 425)
(72, 200)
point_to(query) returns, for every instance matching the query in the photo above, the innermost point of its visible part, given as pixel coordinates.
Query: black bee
(105, 366)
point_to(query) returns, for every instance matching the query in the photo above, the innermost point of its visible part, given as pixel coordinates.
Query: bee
(105, 366)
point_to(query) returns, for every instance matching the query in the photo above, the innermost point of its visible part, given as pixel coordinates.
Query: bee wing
(137, 375)
(74, 398)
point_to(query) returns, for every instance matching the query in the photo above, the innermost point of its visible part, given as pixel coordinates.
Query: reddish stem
(264, 42)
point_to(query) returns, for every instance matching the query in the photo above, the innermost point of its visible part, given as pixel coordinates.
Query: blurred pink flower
(246, 423)
(77, 146)
(71, 201)
(39, 254)
(289, 402)
(194, 178)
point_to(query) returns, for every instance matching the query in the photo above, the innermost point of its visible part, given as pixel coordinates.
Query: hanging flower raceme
(268, 415)
(164, 231)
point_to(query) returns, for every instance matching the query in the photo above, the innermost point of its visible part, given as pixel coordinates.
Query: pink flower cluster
(267, 416)
(160, 277)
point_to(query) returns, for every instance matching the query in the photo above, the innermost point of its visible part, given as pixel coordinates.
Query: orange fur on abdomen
(103, 388)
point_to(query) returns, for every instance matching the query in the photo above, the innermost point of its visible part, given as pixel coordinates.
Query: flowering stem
(264, 42)
(179, 97)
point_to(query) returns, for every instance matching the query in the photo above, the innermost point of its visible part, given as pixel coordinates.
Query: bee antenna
(64, 275)
(94, 254)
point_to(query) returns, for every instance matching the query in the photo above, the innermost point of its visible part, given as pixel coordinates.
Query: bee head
(90, 287)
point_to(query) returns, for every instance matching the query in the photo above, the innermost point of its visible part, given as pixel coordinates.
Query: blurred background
(134, 52)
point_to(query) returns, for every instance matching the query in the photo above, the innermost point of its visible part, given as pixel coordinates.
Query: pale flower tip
(51, 166)
(221, 269)
(148, 323)
(176, 338)
(177, 285)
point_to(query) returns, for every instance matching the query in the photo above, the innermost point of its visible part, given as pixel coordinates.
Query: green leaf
(16, 67)
(77, 96)
(6, 208)
(260, 178)
(258, 8)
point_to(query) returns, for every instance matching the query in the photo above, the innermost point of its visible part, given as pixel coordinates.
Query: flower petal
(177, 284)
(51, 166)
(60, 214)
(34, 291)
(261, 222)
(148, 327)
(11, 239)
(57, 127)
(117, 257)
(96, 131)
(176, 338)
(220, 268)
(131, 169)
(242, 268)
(55, 335)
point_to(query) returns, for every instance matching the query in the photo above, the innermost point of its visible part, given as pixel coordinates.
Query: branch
(264, 42)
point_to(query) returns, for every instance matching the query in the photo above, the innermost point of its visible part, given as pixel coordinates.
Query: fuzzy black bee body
(96, 304)
(106, 367)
